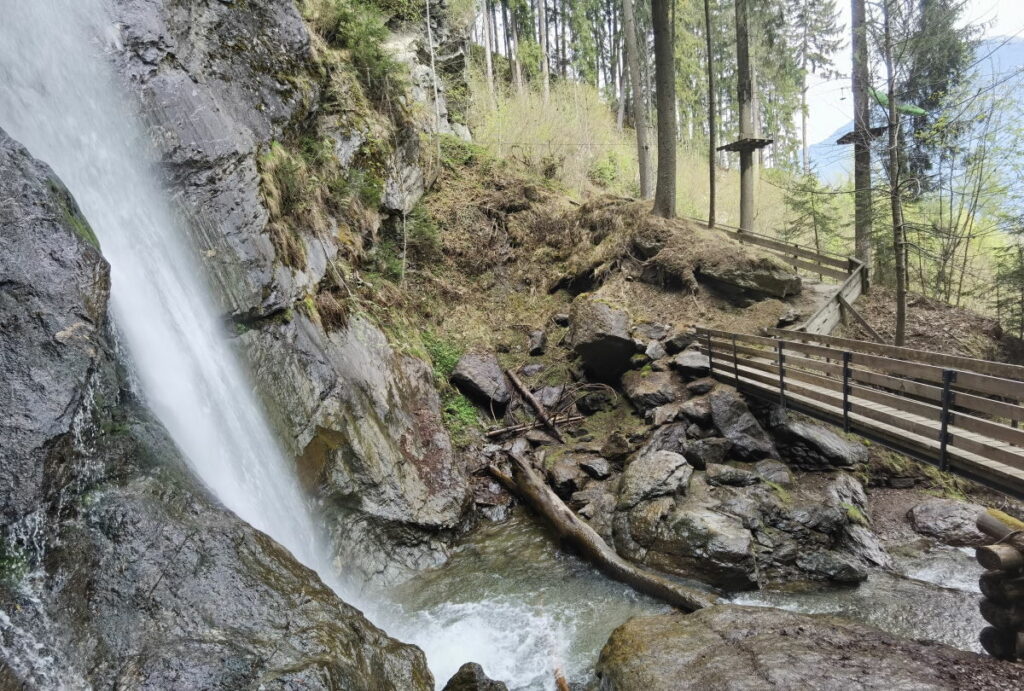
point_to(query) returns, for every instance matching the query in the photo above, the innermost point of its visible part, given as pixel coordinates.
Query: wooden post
(1002, 586)
(846, 390)
(948, 377)
(782, 377)
(735, 362)
(711, 363)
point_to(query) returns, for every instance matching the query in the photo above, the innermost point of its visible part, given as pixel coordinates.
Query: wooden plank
(819, 269)
(995, 430)
(957, 362)
(787, 249)
(860, 320)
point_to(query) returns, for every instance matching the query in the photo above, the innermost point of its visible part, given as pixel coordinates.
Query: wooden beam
(860, 320)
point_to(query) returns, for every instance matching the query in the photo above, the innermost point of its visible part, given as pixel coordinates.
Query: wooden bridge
(957, 413)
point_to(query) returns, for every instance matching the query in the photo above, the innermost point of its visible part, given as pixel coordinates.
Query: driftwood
(999, 557)
(542, 414)
(526, 426)
(570, 527)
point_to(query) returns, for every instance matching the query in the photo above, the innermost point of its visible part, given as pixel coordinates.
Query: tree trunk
(643, 147)
(665, 93)
(803, 126)
(516, 65)
(899, 245)
(712, 116)
(542, 29)
(744, 97)
(862, 136)
(488, 58)
(590, 545)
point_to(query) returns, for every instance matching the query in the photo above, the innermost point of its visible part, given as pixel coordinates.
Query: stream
(528, 608)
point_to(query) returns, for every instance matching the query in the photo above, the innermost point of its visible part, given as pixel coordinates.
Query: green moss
(459, 417)
(781, 492)
(444, 355)
(855, 514)
(457, 153)
(71, 215)
(14, 564)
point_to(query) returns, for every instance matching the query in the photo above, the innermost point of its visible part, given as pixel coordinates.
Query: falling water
(58, 98)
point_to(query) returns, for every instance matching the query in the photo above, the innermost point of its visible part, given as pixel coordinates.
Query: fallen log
(528, 485)
(1003, 587)
(1002, 528)
(1002, 645)
(526, 426)
(538, 407)
(999, 557)
(1003, 617)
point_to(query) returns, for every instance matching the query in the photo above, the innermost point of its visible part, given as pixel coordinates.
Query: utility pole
(862, 136)
(712, 120)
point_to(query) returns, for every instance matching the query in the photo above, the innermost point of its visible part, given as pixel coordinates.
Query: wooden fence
(850, 274)
(958, 413)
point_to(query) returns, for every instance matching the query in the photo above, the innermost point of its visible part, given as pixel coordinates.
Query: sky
(829, 102)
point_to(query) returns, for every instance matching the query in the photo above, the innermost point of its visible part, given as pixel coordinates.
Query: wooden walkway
(957, 413)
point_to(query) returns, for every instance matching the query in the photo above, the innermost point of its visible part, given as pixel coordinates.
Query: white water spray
(58, 98)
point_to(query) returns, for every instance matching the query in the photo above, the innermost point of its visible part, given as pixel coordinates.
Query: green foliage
(360, 29)
(457, 153)
(814, 213)
(444, 355)
(459, 416)
(14, 564)
(423, 237)
(855, 514)
(606, 171)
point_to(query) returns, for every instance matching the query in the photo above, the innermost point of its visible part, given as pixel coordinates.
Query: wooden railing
(849, 273)
(958, 413)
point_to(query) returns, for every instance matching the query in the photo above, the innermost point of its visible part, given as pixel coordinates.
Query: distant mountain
(997, 57)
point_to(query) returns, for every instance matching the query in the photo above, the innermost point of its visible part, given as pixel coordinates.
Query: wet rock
(479, 376)
(700, 542)
(702, 453)
(652, 475)
(647, 389)
(735, 422)
(832, 566)
(134, 564)
(538, 343)
(471, 677)
(784, 650)
(565, 477)
(692, 363)
(813, 447)
(599, 335)
(771, 470)
(596, 467)
(718, 474)
(949, 521)
(680, 341)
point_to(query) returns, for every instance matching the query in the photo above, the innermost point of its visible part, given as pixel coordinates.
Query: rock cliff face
(221, 85)
(116, 569)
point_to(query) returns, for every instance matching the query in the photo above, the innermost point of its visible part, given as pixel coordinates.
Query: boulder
(560, 319)
(650, 331)
(471, 677)
(718, 474)
(734, 647)
(774, 471)
(565, 477)
(670, 437)
(599, 335)
(549, 396)
(655, 350)
(832, 566)
(697, 410)
(663, 414)
(479, 376)
(949, 521)
(680, 341)
(538, 343)
(616, 447)
(757, 278)
(736, 423)
(699, 387)
(698, 542)
(692, 364)
(813, 447)
(702, 453)
(647, 389)
(652, 475)
(596, 467)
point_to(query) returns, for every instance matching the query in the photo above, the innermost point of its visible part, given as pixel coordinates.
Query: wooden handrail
(912, 400)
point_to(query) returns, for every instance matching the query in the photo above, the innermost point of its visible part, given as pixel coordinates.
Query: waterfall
(59, 98)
